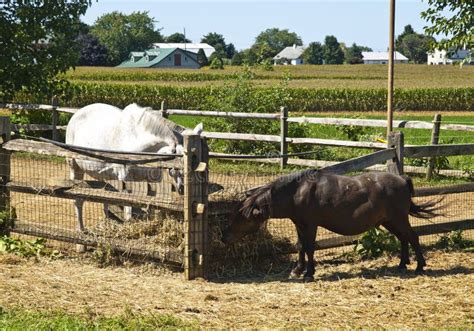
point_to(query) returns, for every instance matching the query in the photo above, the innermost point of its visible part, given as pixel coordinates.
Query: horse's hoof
(420, 271)
(308, 279)
(402, 267)
(294, 275)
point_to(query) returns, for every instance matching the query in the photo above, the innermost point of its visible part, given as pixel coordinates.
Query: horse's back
(95, 125)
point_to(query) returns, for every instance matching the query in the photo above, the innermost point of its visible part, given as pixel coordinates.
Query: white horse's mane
(153, 122)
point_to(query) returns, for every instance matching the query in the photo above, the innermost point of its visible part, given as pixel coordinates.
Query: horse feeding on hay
(342, 204)
(133, 129)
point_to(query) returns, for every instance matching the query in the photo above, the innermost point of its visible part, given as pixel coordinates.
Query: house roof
(137, 53)
(382, 56)
(160, 55)
(190, 47)
(290, 53)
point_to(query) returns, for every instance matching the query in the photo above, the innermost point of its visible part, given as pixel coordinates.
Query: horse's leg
(415, 243)
(404, 257)
(127, 210)
(404, 227)
(309, 238)
(300, 266)
(76, 173)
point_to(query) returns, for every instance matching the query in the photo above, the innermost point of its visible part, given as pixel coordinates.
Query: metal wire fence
(146, 218)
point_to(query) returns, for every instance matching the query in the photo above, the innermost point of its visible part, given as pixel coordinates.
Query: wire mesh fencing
(146, 218)
(133, 217)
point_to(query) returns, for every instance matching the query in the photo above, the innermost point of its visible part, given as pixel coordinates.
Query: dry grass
(366, 294)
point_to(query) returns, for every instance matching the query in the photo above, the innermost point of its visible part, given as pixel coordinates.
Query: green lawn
(19, 319)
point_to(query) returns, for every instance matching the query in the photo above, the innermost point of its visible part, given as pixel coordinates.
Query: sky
(351, 21)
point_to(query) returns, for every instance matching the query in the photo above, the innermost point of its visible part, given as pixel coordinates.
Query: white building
(382, 57)
(190, 47)
(290, 55)
(442, 57)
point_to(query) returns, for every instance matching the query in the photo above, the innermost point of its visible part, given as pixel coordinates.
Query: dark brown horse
(342, 204)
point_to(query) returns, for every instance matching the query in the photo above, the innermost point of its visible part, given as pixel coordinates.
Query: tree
(413, 45)
(37, 41)
(313, 54)
(407, 30)
(332, 51)
(177, 38)
(237, 59)
(217, 41)
(122, 33)
(202, 58)
(277, 40)
(230, 51)
(353, 54)
(459, 25)
(92, 52)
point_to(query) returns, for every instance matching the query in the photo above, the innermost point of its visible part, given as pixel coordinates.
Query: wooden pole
(390, 68)
(283, 136)
(5, 131)
(195, 206)
(55, 118)
(164, 107)
(434, 141)
(396, 140)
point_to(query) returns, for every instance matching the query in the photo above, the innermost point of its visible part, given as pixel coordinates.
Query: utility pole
(390, 68)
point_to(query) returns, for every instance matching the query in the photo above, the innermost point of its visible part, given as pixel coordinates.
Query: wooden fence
(195, 165)
(282, 139)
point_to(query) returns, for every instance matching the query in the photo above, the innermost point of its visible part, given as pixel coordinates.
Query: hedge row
(302, 99)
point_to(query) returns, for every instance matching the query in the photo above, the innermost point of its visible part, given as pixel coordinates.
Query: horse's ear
(252, 211)
(198, 129)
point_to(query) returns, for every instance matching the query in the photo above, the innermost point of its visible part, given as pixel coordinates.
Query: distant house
(290, 55)
(190, 47)
(443, 57)
(382, 57)
(161, 58)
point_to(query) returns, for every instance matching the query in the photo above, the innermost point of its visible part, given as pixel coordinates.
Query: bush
(375, 243)
(217, 63)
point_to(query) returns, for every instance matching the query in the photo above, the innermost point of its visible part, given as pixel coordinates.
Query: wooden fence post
(164, 107)
(5, 131)
(55, 118)
(195, 205)
(434, 141)
(283, 136)
(395, 140)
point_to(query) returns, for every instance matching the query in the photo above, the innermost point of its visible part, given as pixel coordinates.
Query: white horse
(133, 129)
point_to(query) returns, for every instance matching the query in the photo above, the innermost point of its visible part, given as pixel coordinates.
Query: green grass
(21, 319)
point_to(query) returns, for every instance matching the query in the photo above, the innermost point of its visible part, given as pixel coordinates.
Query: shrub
(375, 243)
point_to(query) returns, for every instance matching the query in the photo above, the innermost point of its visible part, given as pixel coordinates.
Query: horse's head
(176, 174)
(247, 218)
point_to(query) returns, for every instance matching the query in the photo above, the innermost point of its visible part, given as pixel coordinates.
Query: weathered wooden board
(44, 148)
(97, 195)
(362, 162)
(438, 150)
(222, 114)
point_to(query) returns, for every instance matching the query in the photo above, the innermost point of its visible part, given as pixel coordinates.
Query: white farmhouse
(290, 55)
(189, 47)
(442, 57)
(382, 57)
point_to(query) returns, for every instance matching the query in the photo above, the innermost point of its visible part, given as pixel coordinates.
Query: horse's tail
(424, 210)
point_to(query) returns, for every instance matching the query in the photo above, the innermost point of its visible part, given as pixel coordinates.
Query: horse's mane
(265, 192)
(153, 122)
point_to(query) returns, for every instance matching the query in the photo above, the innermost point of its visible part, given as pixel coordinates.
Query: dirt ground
(344, 295)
